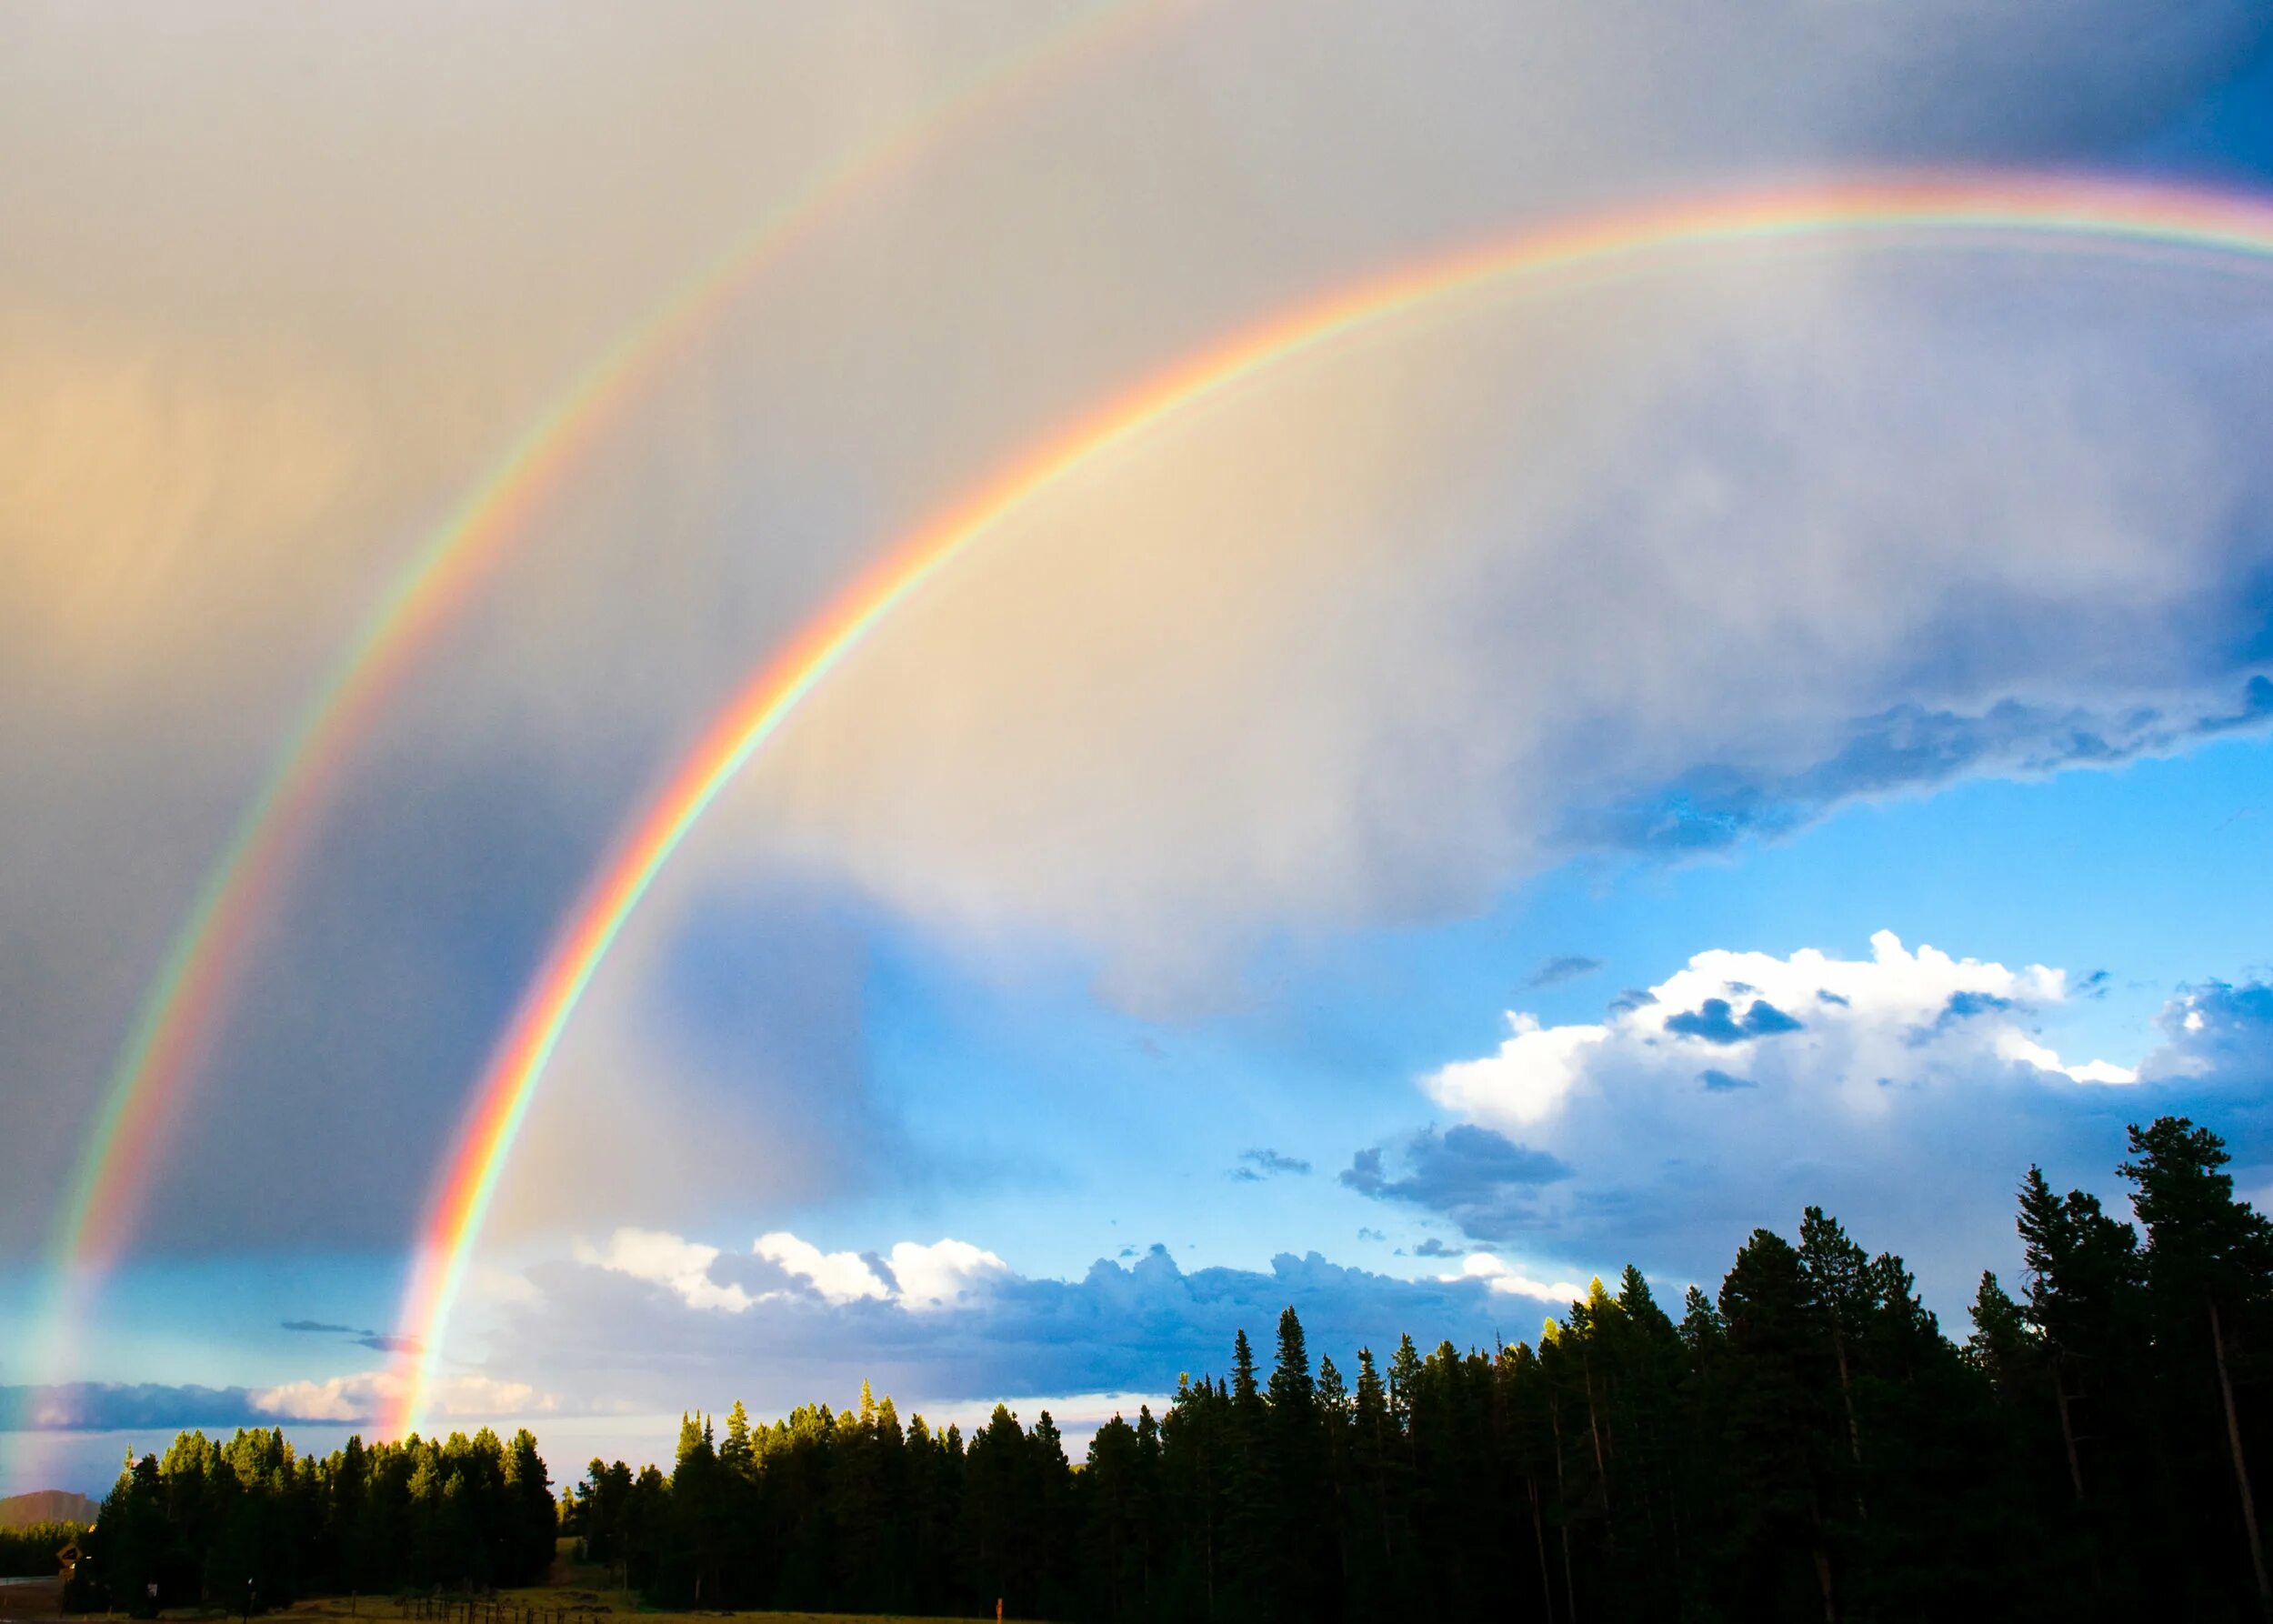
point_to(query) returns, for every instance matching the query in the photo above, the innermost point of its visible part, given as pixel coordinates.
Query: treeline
(222, 1525)
(28, 1550)
(1806, 1444)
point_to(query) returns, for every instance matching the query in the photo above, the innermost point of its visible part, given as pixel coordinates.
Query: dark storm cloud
(1482, 1181)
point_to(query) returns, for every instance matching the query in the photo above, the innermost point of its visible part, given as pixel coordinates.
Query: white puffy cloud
(1509, 1281)
(681, 1265)
(944, 1274)
(1907, 1091)
(919, 1277)
(1733, 1021)
(838, 1277)
(366, 1394)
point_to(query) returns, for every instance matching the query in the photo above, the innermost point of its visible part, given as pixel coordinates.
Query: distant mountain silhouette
(46, 1505)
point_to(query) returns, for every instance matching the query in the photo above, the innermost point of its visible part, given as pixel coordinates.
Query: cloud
(1266, 1164)
(1363, 1234)
(319, 1326)
(1917, 1088)
(361, 1397)
(1509, 1282)
(2215, 1033)
(1117, 1328)
(1860, 545)
(1485, 1181)
(835, 1277)
(682, 1267)
(1896, 1014)
(367, 1395)
(1711, 1021)
(945, 1274)
(916, 1277)
(1431, 1246)
(1569, 967)
(103, 1407)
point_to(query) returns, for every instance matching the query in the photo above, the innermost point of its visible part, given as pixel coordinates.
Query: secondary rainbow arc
(2039, 210)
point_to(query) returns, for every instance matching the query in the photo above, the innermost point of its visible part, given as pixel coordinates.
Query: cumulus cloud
(680, 1266)
(1894, 1020)
(2215, 1032)
(944, 1275)
(1908, 1090)
(1511, 1283)
(916, 1277)
(836, 1276)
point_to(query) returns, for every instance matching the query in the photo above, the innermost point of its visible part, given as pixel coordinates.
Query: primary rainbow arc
(2042, 211)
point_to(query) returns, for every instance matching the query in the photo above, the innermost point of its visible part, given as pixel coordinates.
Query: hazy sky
(1563, 780)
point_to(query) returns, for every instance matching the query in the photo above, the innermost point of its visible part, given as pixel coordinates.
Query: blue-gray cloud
(2215, 1035)
(1568, 967)
(107, 1407)
(1714, 1022)
(1908, 747)
(1114, 1328)
(1479, 1178)
(1264, 1163)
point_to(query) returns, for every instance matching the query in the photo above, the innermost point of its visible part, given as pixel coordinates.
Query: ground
(39, 1601)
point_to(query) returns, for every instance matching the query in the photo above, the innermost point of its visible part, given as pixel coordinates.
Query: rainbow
(2036, 211)
(180, 1006)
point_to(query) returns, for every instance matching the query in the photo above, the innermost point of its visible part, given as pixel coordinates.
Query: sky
(1558, 779)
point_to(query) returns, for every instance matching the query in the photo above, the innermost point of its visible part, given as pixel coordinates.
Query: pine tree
(2207, 1261)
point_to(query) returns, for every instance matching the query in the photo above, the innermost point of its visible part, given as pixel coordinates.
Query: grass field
(580, 1593)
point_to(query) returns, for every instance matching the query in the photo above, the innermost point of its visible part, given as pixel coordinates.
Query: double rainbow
(180, 1008)
(2041, 212)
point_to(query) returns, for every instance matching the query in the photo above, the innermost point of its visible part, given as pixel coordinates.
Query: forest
(250, 1524)
(1807, 1443)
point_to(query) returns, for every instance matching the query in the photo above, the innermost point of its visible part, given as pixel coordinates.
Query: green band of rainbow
(2038, 211)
